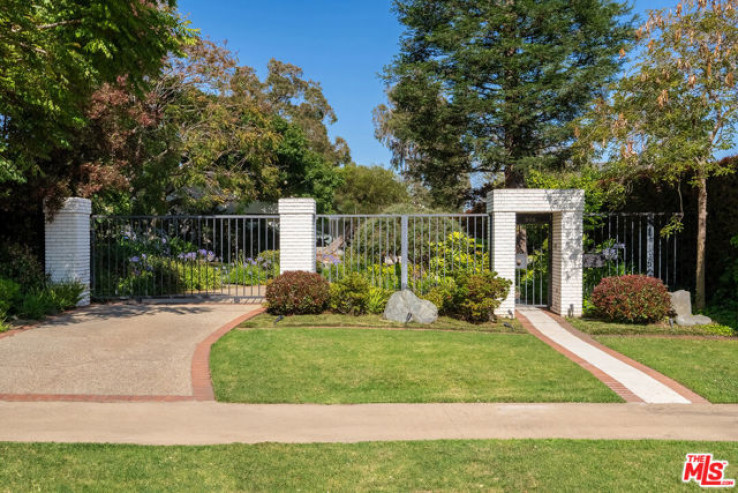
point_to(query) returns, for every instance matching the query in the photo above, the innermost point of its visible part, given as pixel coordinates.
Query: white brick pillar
(67, 238)
(566, 263)
(297, 250)
(503, 256)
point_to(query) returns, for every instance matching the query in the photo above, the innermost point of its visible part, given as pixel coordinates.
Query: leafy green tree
(678, 106)
(369, 190)
(54, 55)
(492, 87)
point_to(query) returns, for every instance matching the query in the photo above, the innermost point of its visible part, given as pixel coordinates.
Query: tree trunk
(699, 296)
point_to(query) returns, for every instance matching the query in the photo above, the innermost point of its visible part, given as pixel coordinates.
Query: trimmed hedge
(631, 299)
(297, 293)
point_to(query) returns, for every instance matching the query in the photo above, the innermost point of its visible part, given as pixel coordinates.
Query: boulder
(404, 303)
(681, 305)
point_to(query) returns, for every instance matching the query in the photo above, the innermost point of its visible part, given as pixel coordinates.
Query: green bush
(66, 295)
(443, 295)
(201, 277)
(350, 295)
(377, 300)
(478, 295)
(19, 264)
(631, 299)
(254, 272)
(297, 293)
(37, 304)
(10, 296)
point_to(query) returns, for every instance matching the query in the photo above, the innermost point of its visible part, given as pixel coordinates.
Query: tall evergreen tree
(493, 86)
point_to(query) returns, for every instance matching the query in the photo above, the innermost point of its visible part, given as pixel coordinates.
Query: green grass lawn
(599, 327)
(482, 465)
(376, 321)
(707, 366)
(362, 365)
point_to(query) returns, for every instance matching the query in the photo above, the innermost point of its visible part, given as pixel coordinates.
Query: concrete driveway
(114, 350)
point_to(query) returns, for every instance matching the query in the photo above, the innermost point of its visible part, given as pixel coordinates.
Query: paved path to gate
(196, 423)
(115, 350)
(631, 380)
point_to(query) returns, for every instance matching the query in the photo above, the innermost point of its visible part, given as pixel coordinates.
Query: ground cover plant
(449, 465)
(707, 366)
(353, 365)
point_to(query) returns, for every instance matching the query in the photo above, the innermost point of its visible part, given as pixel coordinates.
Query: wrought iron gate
(183, 256)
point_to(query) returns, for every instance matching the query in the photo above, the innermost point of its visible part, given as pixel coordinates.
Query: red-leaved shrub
(632, 299)
(297, 293)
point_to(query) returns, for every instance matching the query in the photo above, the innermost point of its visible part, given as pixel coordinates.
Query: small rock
(404, 303)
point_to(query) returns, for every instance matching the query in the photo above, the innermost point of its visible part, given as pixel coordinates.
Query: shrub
(297, 293)
(377, 300)
(10, 296)
(37, 304)
(66, 295)
(631, 299)
(19, 264)
(350, 295)
(443, 295)
(477, 296)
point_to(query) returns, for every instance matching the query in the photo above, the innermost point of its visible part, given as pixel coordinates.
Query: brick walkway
(633, 381)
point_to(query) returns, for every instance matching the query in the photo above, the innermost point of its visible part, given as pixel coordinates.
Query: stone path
(113, 350)
(632, 381)
(201, 423)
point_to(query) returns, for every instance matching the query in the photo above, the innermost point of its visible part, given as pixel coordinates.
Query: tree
(491, 87)
(676, 107)
(369, 190)
(54, 55)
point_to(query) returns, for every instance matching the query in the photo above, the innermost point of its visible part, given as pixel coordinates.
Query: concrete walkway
(118, 350)
(647, 388)
(196, 423)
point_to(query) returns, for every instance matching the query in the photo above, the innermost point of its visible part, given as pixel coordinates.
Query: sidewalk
(201, 423)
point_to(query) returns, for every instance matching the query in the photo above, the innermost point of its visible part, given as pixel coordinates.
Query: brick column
(566, 263)
(67, 238)
(502, 253)
(297, 250)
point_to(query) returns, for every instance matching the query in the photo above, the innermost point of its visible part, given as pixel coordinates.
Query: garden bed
(600, 327)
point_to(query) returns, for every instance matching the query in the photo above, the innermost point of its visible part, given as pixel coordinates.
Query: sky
(342, 44)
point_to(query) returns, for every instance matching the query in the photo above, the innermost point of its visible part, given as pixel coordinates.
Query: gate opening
(533, 259)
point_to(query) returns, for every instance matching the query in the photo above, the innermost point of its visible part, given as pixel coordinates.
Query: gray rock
(404, 303)
(681, 305)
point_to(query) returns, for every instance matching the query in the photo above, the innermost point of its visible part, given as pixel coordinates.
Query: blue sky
(343, 44)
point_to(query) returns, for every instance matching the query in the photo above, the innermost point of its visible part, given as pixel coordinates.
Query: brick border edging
(660, 377)
(614, 385)
(202, 384)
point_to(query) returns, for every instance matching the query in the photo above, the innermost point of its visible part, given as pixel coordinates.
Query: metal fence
(615, 244)
(183, 256)
(417, 251)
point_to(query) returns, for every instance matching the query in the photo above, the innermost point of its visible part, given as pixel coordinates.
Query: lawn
(599, 327)
(484, 465)
(330, 366)
(707, 366)
(376, 321)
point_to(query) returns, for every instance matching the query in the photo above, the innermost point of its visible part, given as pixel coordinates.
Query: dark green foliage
(350, 295)
(18, 263)
(10, 295)
(37, 304)
(495, 86)
(297, 293)
(65, 295)
(632, 299)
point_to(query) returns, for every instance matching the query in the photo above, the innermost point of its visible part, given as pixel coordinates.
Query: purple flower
(164, 240)
(135, 259)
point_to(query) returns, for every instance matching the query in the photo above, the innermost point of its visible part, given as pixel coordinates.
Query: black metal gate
(226, 257)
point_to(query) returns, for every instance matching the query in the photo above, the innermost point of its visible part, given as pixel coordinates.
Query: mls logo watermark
(706, 472)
